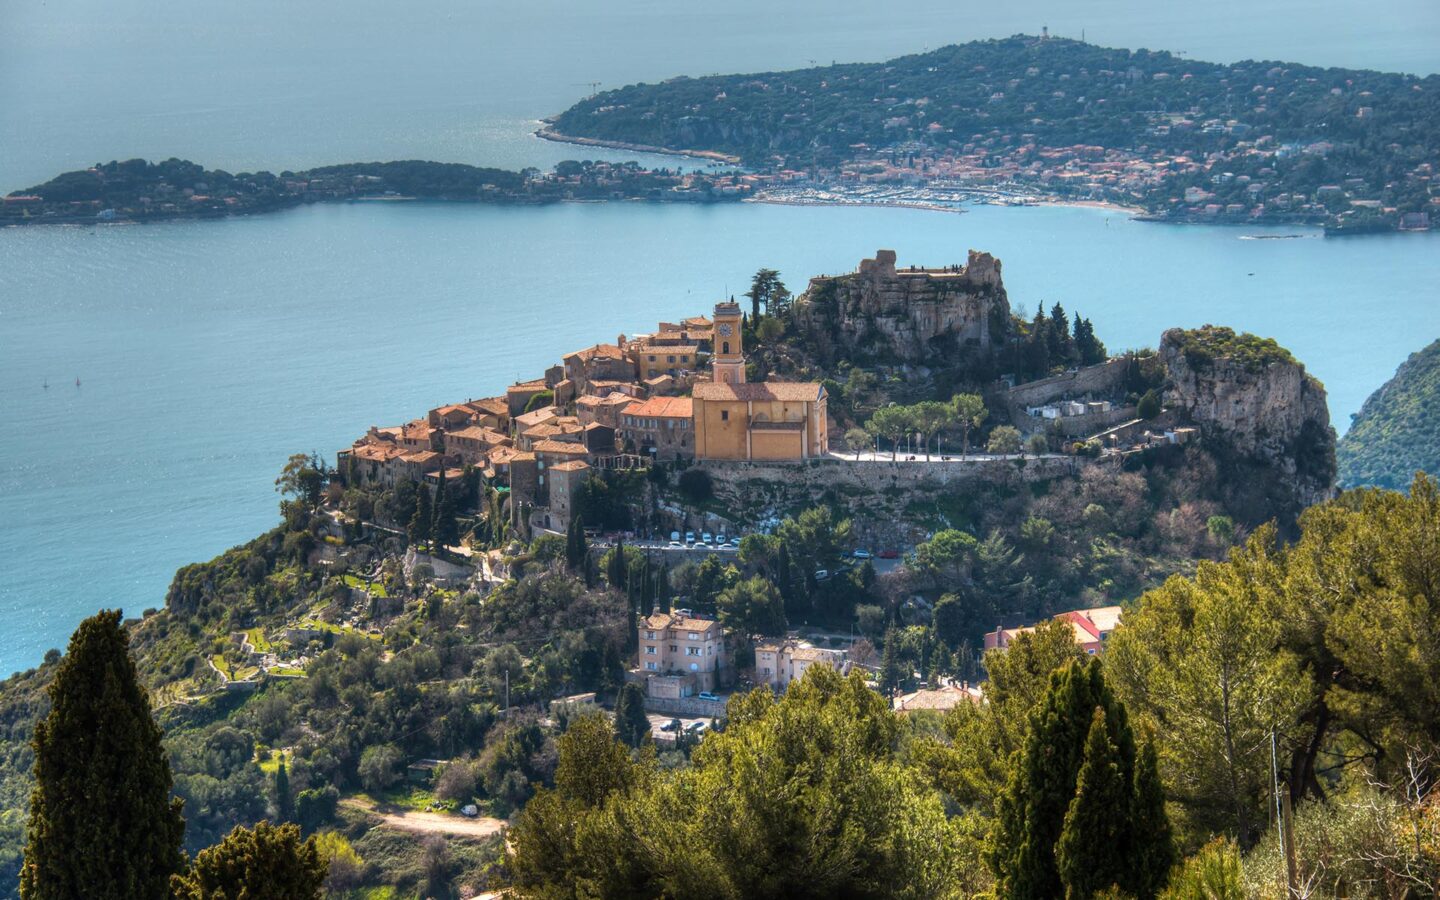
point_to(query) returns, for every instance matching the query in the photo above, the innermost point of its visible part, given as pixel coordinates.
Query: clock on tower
(727, 361)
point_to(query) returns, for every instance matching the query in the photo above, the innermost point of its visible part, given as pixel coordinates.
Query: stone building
(681, 655)
(777, 663)
(661, 427)
(735, 419)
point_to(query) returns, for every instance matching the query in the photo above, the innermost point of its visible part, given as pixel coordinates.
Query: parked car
(676, 545)
(822, 574)
(689, 537)
(469, 810)
(863, 554)
(706, 695)
(707, 538)
(696, 727)
(727, 546)
(675, 536)
(889, 554)
(721, 539)
(672, 725)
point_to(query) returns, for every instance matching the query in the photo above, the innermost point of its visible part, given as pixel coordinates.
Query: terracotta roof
(478, 433)
(765, 390)
(537, 417)
(495, 405)
(570, 465)
(560, 448)
(604, 351)
(537, 384)
(661, 408)
(661, 621)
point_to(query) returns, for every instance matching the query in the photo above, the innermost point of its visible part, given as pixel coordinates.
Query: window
(692, 651)
(649, 635)
(650, 650)
(674, 649)
(651, 666)
(693, 636)
(670, 359)
(652, 357)
(725, 347)
(724, 415)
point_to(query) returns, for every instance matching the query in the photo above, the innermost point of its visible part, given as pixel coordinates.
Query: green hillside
(1397, 431)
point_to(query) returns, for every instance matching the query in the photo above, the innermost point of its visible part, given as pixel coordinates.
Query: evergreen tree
(284, 803)
(1153, 846)
(632, 727)
(1094, 838)
(102, 821)
(446, 530)
(890, 675)
(617, 572)
(576, 549)
(267, 861)
(1042, 785)
(1149, 406)
(424, 518)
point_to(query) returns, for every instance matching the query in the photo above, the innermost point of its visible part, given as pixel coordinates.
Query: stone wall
(1104, 381)
(686, 706)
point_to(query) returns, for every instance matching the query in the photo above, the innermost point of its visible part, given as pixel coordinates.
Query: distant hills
(1181, 137)
(1397, 431)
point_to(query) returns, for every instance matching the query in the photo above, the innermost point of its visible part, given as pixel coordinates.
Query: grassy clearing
(257, 639)
(374, 588)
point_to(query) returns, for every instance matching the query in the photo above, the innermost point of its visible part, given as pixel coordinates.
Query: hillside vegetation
(1397, 431)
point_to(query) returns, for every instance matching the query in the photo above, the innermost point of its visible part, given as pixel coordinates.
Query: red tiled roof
(765, 390)
(661, 408)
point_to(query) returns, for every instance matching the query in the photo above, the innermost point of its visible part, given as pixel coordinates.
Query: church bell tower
(727, 354)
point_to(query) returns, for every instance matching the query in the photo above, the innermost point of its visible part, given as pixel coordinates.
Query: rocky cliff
(1252, 398)
(905, 315)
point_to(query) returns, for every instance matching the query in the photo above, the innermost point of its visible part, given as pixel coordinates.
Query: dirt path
(433, 823)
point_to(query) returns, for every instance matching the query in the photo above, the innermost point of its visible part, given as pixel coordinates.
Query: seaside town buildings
(681, 655)
(679, 393)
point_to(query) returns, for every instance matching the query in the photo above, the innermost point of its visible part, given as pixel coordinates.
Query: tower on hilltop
(727, 361)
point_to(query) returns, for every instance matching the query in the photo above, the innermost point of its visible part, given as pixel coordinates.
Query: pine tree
(284, 803)
(632, 726)
(102, 821)
(424, 518)
(576, 548)
(1094, 839)
(1153, 846)
(265, 861)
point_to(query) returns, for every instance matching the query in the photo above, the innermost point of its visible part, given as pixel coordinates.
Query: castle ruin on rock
(905, 314)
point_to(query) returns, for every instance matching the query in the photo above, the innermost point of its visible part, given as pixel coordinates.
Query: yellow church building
(736, 419)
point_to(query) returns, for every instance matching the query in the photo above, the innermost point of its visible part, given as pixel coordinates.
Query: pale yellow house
(681, 655)
(779, 663)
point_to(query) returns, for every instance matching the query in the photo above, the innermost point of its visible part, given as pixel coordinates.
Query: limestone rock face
(912, 315)
(1265, 406)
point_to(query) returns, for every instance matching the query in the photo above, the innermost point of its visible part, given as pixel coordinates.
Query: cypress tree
(1041, 787)
(575, 546)
(102, 821)
(632, 726)
(445, 530)
(424, 518)
(890, 664)
(284, 803)
(1153, 846)
(618, 570)
(1094, 838)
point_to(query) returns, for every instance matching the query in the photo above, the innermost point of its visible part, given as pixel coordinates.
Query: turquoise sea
(208, 352)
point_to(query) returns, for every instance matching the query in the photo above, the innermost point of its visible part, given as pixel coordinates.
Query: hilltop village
(685, 397)
(891, 477)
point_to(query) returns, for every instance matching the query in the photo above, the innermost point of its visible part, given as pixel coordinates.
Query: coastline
(547, 133)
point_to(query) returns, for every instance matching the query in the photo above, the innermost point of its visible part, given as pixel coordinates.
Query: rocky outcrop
(1252, 396)
(908, 315)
